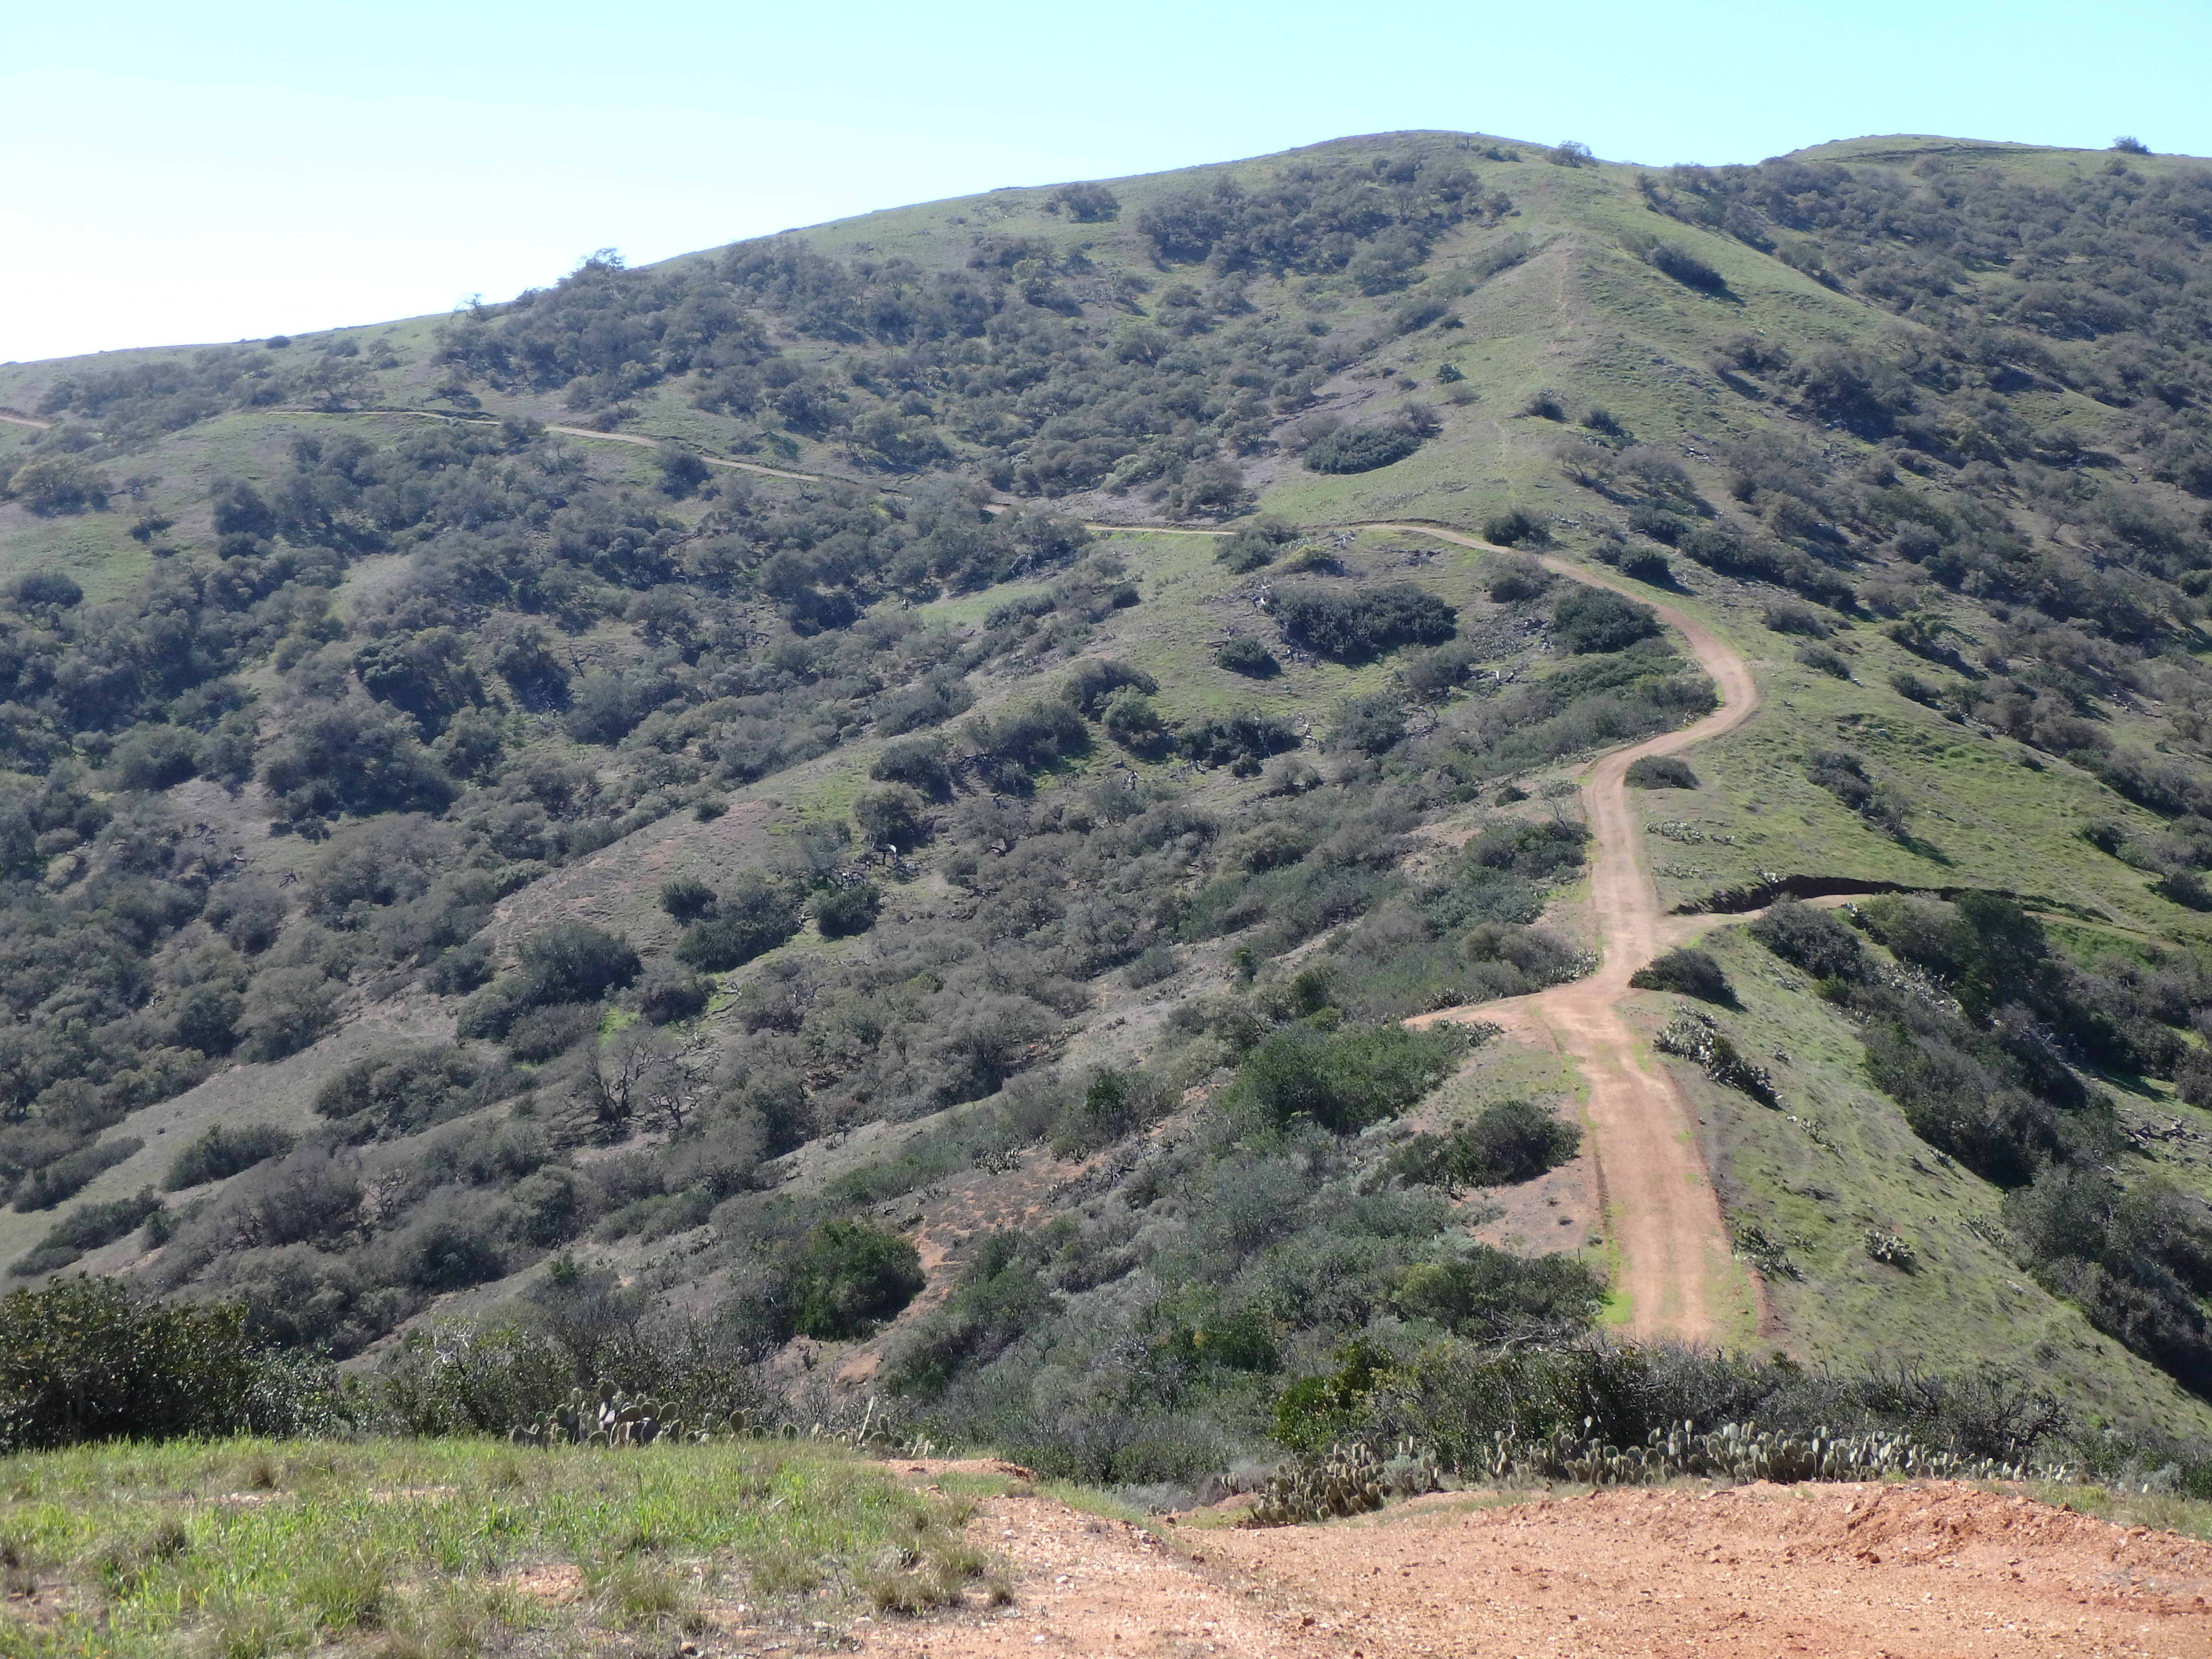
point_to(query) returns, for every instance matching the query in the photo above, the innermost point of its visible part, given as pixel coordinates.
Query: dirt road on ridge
(1672, 1249)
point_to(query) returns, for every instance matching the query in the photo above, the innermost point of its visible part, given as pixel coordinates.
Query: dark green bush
(846, 1278)
(1508, 1142)
(1649, 565)
(1688, 971)
(86, 1228)
(1245, 655)
(84, 1361)
(893, 815)
(919, 763)
(1661, 772)
(841, 912)
(218, 1153)
(1360, 449)
(1241, 740)
(1490, 1295)
(1345, 1080)
(1358, 624)
(753, 916)
(1823, 659)
(1514, 528)
(670, 993)
(1590, 620)
(686, 898)
(1094, 679)
(547, 1032)
(575, 961)
(1815, 941)
(1685, 267)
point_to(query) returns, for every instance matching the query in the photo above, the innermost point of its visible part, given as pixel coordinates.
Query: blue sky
(219, 171)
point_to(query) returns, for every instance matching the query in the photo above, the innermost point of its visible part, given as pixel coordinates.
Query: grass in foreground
(420, 1550)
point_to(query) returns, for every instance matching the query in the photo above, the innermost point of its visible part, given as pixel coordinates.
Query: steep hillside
(892, 789)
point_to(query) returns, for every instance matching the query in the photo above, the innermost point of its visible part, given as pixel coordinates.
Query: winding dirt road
(1672, 1269)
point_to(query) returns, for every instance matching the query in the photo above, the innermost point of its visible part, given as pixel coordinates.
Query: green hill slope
(648, 799)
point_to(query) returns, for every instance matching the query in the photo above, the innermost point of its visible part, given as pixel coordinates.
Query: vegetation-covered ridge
(453, 868)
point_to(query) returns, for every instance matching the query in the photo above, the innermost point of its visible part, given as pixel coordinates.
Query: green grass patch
(260, 1547)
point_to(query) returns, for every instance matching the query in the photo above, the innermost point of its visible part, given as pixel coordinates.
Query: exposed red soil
(1934, 1571)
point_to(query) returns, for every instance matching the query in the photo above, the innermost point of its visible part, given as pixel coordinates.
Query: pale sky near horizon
(236, 168)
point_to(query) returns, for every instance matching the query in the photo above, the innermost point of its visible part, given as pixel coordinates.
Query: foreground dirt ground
(1936, 1569)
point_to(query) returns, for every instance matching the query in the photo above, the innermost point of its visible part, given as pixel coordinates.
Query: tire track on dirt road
(1674, 1266)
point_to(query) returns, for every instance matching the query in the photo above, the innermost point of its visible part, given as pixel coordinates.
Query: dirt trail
(1925, 1572)
(1672, 1267)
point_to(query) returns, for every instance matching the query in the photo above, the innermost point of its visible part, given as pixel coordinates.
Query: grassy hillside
(647, 802)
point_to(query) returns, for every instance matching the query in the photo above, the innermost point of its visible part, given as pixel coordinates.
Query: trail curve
(1671, 1247)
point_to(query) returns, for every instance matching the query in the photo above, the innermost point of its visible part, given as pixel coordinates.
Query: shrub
(670, 993)
(1822, 659)
(400, 1091)
(1685, 267)
(1515, 529)
(1241, 740)
(1151, 966)
(892, 817)
(1649, 565)
(1661, 772)
(1245, 655)
(1362, 624)
(1345, 1080)
(575, 961)
(1692, 973)
(1369, 725)
(461, 970)
(1085, 203)
(1788, 616)
(840, 912)
(1254, 544)
(1131, 720)
(285, 1009)
(1545, 406)
(84, 1361)
(1812, 939)
(932, 702)
(1906, 683)
(1590, 620)
(846, 1278)
(753, 916)
(1492, 1295)
(1360, 449)
(1094, 679)
(87, 1228)
(1023, 739)
(1519, 579)
(1508, 1142)
(686, 898)
(67, 1177)
(1430, 675)
(919, 763)
(546, 1033)
(218, 1153)
(155, 757)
